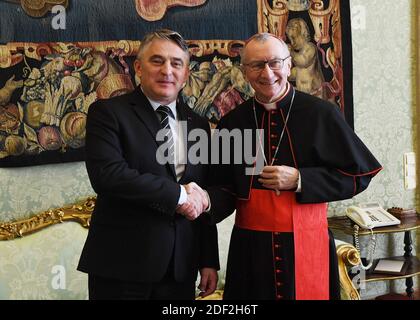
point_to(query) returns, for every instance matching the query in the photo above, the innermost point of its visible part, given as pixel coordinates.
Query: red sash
(265, 211)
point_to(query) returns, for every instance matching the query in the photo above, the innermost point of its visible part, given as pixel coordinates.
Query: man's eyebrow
(177, 59)
(164, 58)
(156, 56)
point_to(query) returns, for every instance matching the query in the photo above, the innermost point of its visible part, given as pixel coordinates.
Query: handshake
(197, 202)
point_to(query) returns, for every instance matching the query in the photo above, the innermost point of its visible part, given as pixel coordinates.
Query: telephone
(371, 216)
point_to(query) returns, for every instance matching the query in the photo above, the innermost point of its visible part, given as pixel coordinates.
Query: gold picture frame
(78, 212)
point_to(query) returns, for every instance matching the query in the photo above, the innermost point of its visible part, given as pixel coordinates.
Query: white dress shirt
(180, 152)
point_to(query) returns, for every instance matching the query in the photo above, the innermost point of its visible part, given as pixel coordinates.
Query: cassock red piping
(373, 172)
(274, 262)
(360, 174)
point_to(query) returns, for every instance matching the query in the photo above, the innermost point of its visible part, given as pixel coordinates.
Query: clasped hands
(197, 202)
(279, 178)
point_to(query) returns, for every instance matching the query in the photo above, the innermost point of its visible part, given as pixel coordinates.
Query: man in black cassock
(280, 246)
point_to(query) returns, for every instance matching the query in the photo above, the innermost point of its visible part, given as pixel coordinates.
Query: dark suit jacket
(134, 228)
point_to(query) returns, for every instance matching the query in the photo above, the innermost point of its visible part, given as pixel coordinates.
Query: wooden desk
(345, 225)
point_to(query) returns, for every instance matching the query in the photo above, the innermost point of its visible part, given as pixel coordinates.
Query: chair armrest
(217, 295)
(348, 257)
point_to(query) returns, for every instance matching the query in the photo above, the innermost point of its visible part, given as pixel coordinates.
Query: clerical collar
(282, 102)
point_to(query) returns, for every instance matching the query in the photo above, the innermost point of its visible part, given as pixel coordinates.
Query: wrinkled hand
(279, 178)
(196, 202)
(208, 281)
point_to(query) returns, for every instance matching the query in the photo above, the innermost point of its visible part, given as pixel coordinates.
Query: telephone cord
(371, 249)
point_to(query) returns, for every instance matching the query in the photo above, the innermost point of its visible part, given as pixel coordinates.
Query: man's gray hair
(261, 37)
(163, 34)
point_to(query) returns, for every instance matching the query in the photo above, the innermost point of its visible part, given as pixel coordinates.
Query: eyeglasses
(275, 64)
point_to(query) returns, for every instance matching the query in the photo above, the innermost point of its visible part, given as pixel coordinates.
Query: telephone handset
(371, 216)
(368, 217)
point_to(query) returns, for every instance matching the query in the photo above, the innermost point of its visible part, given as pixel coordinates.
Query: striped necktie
(164, 113)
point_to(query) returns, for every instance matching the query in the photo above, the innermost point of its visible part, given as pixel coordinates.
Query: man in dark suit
(146, 239)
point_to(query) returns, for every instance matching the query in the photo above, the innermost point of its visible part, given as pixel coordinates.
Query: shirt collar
(156, 105)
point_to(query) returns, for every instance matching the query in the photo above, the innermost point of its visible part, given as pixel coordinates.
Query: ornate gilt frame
(347, 257)
(79, 212)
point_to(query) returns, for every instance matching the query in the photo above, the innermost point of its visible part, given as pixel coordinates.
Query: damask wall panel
(29, 266)
(383, 112)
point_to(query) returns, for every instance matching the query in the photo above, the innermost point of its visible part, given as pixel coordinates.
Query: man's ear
(289, 64)
(186, 75)
(137, 68)
(242, 67)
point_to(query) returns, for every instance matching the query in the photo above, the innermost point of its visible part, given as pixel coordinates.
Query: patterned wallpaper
(28, 190)
(383, 96)
(383, 107)
(383, 120)
(42, 266)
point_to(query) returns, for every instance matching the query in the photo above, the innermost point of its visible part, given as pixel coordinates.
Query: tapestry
(49, 77)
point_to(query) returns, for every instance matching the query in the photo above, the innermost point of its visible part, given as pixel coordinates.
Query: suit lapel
(147, 115)
(142, 108)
